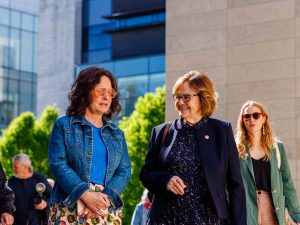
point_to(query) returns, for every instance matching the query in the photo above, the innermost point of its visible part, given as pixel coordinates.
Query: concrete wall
(59, 51)
(251, 49)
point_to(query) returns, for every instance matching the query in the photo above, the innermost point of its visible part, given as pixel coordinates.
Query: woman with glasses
(88, 154)
(190, 170)
(266, 174)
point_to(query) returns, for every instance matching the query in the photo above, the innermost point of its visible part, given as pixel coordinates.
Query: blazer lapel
(249, 164)
(274, 167)
(206, 150)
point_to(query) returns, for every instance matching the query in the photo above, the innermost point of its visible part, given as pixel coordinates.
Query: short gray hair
(23, 159)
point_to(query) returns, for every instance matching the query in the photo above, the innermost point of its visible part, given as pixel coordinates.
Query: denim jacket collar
(80, 119)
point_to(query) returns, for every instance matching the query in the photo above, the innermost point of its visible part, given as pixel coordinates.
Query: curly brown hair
(79, 96)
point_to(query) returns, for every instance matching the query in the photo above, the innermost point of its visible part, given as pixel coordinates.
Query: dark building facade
(126, 37)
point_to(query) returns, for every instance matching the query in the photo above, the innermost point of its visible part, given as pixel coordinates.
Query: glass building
(127, 37)
(18, 63)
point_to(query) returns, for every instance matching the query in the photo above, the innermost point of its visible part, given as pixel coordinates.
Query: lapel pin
(206, 137)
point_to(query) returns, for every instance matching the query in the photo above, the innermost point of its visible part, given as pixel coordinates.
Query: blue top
(99, 157)
(70, 156)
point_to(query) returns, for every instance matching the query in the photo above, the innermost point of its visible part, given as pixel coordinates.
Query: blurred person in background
(31, 190)
(265, 170)
(141, 210)
(190, 172)
(88, 154)
(6, 201)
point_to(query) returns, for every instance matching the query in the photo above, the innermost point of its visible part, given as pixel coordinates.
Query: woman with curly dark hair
(88, 154)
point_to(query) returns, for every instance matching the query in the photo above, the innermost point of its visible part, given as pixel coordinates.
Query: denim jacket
(70, 155)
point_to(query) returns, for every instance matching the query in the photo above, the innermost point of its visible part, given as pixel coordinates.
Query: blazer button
(274, 191)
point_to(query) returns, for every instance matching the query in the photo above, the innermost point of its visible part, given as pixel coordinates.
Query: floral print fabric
(68, 215)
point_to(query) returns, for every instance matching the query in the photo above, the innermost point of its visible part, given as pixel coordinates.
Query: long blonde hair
(243, 138)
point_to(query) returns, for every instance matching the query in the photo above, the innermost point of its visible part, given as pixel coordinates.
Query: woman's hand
(41, 206)
(95, 202)
(6, 219)
(176, 185)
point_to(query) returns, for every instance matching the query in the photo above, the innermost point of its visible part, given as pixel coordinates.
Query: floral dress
(68, 215)
(196, 205)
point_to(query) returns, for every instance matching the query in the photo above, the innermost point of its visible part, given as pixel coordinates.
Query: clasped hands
(6, 219)
(176, 185)
(95, 204)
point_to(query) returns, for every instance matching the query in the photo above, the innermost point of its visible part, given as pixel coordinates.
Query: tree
(149, 112)
(26, 135)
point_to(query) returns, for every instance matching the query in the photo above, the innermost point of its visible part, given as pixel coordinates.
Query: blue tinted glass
(4, 46)
(156, 80)
(131, 67)
(127, 105)
(99, 42)
(26, 51)
(141, 20)
(35, 46)
(36, 24)
(157, 64)
(98, 56)
(94, 10)
(99, 29)
(108, 66)
(14, 56)
(15, 19)
(162, 17)
(27, 22)
(133, 86)
(34, 98)
(25, 96)
(8, 102)
(4, 16)
(14, 74)
(85, 13)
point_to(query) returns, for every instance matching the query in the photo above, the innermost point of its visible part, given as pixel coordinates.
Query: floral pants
(68, 215)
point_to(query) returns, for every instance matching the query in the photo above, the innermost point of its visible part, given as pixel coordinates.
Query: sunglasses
(102, 92)
(255, 116)
(184, 97)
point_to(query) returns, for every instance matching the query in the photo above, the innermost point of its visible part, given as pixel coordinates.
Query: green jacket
(282, 187)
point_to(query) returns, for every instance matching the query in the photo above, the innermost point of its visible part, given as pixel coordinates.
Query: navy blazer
(220, 162)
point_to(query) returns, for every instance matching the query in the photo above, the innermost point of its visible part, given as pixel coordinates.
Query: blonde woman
(266, 174)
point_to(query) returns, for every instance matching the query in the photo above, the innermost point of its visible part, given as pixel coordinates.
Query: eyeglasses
(255, 116)
(184, 97)
(101, 92)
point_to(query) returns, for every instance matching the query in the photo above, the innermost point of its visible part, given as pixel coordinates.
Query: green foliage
(149, 112)
(27, 135)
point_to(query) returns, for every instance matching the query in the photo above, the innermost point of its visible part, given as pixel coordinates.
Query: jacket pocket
(73, 137)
